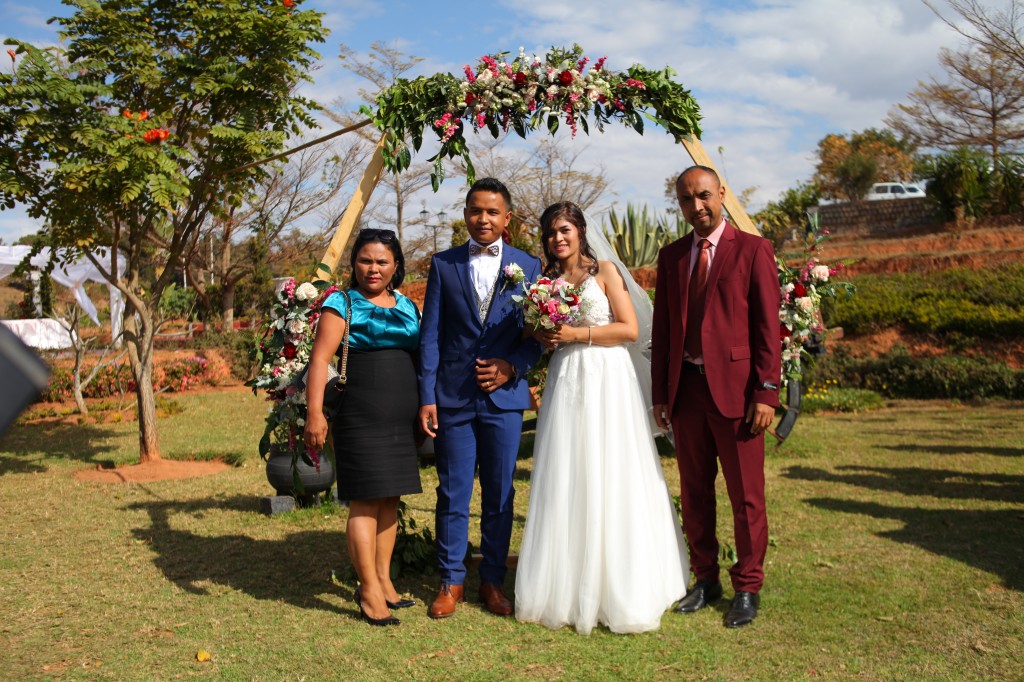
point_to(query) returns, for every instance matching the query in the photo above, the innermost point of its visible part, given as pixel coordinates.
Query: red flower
(289, 351)
(565, 78)
(127, 113)
(799, 290)
(156, 135)
(288, 3)
(470, 98)
(519, 79)
(783, 333)
(13, 55)
(143, 115)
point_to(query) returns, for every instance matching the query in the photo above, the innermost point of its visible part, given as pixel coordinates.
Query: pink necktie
(695, 300)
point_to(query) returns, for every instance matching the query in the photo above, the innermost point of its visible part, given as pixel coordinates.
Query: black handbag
(334, 391)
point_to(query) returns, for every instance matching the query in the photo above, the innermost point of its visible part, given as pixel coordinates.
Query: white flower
(788, 288)
(820, 273)
(805, 304)
(296, 327)
(306, 292)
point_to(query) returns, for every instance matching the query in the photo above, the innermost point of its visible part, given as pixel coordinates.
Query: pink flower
(470, 76)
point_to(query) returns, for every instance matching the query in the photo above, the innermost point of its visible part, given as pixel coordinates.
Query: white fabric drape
(72, 275)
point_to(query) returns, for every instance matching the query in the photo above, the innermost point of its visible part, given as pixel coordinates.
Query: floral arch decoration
(522, 95)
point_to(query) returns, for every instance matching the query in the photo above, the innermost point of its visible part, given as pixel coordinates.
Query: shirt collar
(714, 237)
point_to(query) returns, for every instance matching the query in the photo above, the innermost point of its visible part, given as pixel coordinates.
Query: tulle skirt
(602, 542)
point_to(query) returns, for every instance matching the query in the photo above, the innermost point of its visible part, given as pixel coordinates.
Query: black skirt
(375, 430)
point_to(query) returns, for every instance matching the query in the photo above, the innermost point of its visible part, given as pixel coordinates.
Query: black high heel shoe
(380, 622)
(400, 604)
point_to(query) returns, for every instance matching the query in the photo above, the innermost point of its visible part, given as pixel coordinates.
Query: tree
(779, 218)
(291, 192)
(980, 104)
(848, 166)
(126, 138)
(1000, 31)
(383, 66)
(538, 178)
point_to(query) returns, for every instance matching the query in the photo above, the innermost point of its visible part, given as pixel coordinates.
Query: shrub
(835, 398)
(901, 375)
(178, 374)
(987, 304)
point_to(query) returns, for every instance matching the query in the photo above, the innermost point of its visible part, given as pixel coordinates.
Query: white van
(893, 190)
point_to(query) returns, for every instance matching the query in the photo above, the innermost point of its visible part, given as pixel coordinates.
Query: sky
(772, 77)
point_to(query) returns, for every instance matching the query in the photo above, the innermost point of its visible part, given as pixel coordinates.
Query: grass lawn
(897, 553)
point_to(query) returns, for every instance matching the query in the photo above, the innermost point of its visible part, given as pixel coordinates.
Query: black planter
(282, 479)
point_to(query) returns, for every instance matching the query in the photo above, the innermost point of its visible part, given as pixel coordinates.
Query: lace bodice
(597, 310)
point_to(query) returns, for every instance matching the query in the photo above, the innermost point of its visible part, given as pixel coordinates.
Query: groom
(472, 383)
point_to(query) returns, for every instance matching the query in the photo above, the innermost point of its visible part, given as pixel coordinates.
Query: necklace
(577, 275)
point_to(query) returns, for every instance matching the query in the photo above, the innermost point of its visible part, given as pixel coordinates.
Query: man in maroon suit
(716, 365)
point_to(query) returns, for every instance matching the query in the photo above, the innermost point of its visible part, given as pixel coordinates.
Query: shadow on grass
(21, 446)
(957, 450)
(940, 483)
(273, 570)
(990, 540)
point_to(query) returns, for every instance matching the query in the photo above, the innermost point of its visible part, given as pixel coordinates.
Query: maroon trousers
(703, 438)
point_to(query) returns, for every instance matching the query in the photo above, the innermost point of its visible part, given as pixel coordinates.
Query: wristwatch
(769, 386)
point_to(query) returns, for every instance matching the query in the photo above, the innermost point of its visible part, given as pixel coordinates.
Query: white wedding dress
(602, 542)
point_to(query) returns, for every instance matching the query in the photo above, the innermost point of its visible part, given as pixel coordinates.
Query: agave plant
(635, 237)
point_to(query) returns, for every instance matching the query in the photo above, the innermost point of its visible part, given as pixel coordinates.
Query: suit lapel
(462, 270)
(686, 245)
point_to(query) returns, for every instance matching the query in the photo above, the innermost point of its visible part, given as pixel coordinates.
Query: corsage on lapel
(511, 274)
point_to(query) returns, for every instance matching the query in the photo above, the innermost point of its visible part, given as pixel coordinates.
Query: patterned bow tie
(476, 250)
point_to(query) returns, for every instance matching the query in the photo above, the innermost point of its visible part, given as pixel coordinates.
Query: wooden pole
(737, 215)
(371, 176)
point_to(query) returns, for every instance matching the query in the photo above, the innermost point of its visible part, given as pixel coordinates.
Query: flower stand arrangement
(298, 474)
(801, 327)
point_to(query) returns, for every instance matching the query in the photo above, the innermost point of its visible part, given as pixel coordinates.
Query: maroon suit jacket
(740, 334)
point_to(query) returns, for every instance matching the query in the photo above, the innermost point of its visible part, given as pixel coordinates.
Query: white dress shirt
(483, 269)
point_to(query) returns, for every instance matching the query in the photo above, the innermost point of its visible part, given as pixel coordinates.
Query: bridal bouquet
(549, 303)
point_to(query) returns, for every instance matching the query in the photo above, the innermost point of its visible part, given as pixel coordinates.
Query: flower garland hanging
(523, 95)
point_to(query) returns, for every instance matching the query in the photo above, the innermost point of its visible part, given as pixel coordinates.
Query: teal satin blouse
(376, 328)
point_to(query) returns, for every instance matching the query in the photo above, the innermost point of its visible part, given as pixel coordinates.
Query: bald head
(700, 194)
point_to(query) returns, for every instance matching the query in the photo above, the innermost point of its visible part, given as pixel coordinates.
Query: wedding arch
(522, 94)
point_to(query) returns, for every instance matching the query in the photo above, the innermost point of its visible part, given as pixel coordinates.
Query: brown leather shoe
(447, 597)
(495, 600)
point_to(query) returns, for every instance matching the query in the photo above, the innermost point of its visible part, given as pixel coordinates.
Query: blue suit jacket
(452, 336)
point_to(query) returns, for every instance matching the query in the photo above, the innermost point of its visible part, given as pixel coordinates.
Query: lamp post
(442, 221)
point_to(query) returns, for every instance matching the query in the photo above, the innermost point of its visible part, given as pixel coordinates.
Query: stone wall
(877, 217)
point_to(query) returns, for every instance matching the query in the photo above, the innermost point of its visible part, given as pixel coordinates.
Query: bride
(602, 543)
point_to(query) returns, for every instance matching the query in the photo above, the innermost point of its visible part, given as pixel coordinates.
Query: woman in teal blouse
(375, 431)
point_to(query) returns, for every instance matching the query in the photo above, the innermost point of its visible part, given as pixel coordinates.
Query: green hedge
(985, 304)
(902, 375)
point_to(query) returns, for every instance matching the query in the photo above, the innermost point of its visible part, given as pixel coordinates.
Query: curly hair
(571, 213)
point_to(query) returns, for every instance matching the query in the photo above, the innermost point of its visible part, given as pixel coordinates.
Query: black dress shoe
(743, 609)
(702, 594)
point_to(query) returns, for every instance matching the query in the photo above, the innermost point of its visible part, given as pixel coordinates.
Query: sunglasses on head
(376, 233)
